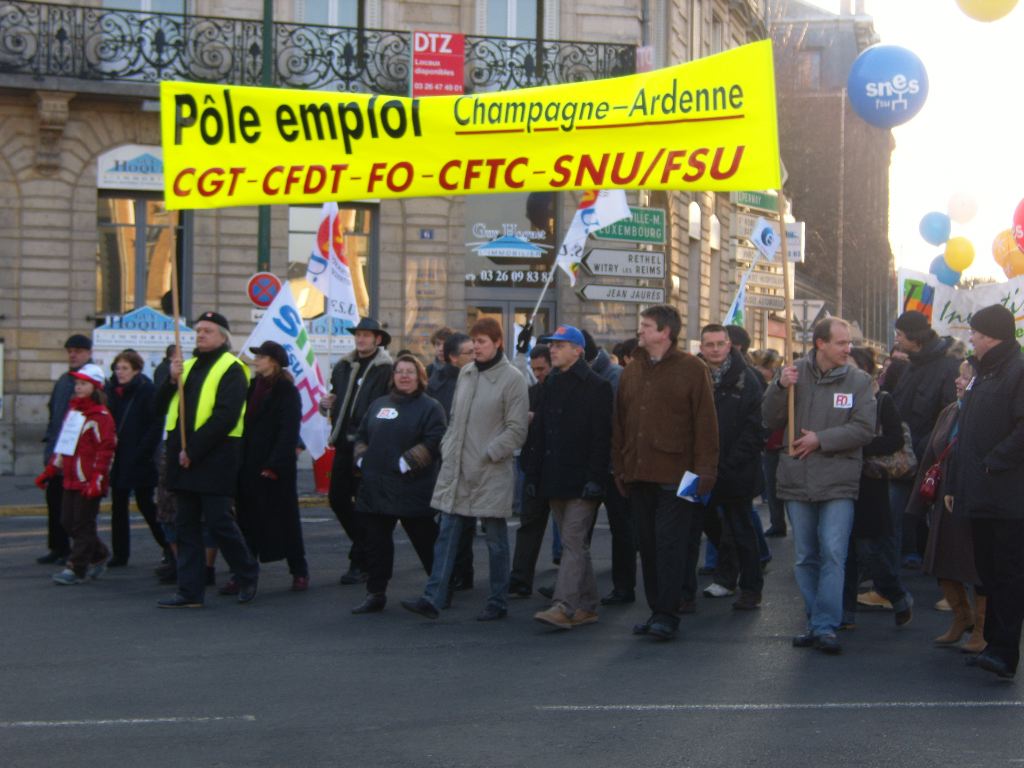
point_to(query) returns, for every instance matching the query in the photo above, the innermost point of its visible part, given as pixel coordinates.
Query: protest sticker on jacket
(283, 323)
(949, 309)
(709, 124)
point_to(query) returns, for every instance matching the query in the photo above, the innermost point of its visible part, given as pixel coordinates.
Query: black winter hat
(912, 322)
(216, 318)
(995, 321)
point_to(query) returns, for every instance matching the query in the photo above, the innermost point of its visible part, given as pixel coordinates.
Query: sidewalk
(19, 495)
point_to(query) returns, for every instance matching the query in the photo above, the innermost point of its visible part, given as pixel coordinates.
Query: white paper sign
(69, 433)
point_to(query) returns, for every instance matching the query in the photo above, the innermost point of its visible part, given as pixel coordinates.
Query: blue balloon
(887, 85)
(935, 227)
(942, 272)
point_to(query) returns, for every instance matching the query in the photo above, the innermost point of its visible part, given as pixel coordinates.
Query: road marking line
(123, 721)
(773, 707)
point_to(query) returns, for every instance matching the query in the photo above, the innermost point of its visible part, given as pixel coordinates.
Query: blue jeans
(821, 534)
(446, 548)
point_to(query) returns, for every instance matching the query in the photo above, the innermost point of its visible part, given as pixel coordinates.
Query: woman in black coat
(398, 449)
(267, 504)
(872, 526)
(139, 430)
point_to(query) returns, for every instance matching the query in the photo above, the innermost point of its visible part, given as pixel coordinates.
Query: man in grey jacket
(819, 477)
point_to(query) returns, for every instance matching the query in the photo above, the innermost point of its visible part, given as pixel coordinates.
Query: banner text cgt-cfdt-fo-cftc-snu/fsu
(708, 125)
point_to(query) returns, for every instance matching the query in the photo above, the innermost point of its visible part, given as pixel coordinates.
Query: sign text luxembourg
(708, 124)
(645, 225)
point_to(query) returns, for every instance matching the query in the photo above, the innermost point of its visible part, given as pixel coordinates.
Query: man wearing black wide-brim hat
(358, 378)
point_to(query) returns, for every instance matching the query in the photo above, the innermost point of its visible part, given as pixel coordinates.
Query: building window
(717, 34)
(137, 238)
(808, 70)
(329, 13)
(147, 6)
(695, 35)
(517, 18)
(359, 233)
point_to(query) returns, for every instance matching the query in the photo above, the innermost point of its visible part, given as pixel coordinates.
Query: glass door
(513, 315)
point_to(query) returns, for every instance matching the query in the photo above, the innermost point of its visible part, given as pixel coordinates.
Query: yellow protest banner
(708, 125)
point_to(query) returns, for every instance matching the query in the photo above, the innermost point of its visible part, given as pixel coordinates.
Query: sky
(969, 136)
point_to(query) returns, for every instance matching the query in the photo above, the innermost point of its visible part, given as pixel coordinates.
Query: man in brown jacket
(664, 425)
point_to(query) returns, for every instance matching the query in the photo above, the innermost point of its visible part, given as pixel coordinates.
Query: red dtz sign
(438, 59)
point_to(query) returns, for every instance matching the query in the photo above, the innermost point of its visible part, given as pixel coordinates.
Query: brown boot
(956, 596)
(976, 642)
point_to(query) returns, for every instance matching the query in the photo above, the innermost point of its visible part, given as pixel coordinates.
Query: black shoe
(51, 558)
(805, 640)
(231, 588)
(117, 562)
(988, 661)
(661, 630)
(828, 644)
(179, 601)
(372, 604)
(247, 592)
(460, 583)
(354, 575)
(643, 629)
(618, 598)
(422, 606)
(903, 617)
(519, 590)
(548, 592)
(556, 560)
(775, 533)
(490, 613)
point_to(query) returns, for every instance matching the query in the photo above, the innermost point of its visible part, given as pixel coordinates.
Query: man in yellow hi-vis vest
(204, 474)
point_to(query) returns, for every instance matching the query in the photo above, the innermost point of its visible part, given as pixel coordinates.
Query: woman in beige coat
(477, 478)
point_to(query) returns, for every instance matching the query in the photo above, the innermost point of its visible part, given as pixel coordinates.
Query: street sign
(762, 279)
(627, 293)
(263, 288)
(746, 252)
(744, 225)
(612, 263)
(761, 201)
(764, 301)
(806, 311)
(646, 226)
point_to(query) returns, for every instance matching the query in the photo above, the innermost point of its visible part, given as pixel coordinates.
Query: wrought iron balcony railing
(45, 40)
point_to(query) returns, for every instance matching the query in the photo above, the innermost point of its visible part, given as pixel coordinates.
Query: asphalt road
(97, 675)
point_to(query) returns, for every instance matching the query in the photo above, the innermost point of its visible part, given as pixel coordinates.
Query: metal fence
(45, 40)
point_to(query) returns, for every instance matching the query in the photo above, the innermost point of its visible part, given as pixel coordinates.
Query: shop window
(137, 238)
(358, 230)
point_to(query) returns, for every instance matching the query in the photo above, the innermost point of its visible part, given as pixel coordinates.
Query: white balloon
(962, 207)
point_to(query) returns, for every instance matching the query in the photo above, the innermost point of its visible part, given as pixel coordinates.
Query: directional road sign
(647, 225)
(612, 263)
(627, 293)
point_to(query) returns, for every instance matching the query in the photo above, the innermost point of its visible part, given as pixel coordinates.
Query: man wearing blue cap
(566, 462)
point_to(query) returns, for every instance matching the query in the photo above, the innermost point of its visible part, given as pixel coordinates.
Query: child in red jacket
(84, 452)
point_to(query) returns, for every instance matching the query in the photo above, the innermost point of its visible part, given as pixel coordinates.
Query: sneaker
(582, 617)
(554, 616)
(178, 601)
(804, 640)
(944, 606)
(717, 590)
(873, 600)
(96, 570)
(66, 578)
(422, 606)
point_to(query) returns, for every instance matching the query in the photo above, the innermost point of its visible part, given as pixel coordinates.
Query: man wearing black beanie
(987, 480)
(922, 392)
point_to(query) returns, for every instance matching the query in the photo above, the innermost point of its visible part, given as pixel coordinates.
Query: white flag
(765, 239)
(283, 323)
(597, 210)
(328, 270)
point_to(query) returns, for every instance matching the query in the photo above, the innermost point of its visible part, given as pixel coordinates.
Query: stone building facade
(84, 236)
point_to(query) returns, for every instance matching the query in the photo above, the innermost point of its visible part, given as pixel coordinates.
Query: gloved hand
(530, 489)
(94, 488)
(523, 341)
(592, 491)
(44, 477)
(705, 485)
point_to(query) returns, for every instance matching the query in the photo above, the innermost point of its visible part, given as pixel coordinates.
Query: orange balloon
(1004, 246)
(1014, 264)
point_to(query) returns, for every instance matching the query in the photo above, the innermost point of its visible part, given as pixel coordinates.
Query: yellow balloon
(959, 253)
(1003, 247)
(986, 10)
